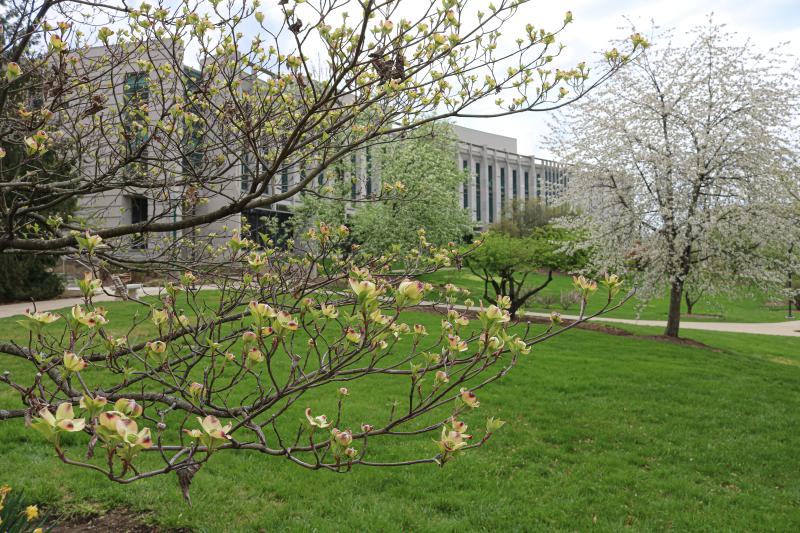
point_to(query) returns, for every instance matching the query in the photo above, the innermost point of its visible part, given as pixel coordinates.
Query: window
(353, 177)
(477, 191)
(136, 93)
(465, 166)
(527, 186)
(514, 183)
(285, 180)
(538, 185)
(502, 185)
(138, 215)
(369, 174)
(246, 171)
(491, 193)
(192, 143)
(321, 179)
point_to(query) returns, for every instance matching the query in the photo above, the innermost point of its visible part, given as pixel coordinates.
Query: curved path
(790, 328)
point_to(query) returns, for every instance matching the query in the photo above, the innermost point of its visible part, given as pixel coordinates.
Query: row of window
(552, 175)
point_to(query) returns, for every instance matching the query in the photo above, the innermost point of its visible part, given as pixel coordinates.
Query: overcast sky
(767, 22)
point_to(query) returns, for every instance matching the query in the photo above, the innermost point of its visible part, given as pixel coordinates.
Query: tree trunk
(689, 303)
(674, 317)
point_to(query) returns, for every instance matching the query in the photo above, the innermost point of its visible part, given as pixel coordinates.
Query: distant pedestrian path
(790, 328)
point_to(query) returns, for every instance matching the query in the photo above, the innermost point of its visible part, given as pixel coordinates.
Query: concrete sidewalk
(790, 328)
(787, 329)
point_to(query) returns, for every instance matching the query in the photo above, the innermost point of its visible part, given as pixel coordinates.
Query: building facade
(498, 175)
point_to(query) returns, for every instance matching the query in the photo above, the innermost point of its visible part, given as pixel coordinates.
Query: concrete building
(499, 174)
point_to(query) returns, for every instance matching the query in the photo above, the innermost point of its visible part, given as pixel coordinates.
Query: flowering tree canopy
(265, 364)
(249, 346)
(678, 167)
(176, 103)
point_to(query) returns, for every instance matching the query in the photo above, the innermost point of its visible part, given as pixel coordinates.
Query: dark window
(477, 191)
(136, 93)
(353, 177)
(368, 183)
(502, 185)
(527, 186)
(538, 185)
(139, 214)
(321, 179)
(491, 193)
(465, 166)
(246, 171)
(514, 183)
(284, 180)
(192, 144)
(267, 225)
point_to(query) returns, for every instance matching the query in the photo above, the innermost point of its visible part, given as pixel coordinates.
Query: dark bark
(674, 317)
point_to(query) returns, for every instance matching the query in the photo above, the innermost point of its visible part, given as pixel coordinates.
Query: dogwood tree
(265, 359)
(205, 108)
(676, 166)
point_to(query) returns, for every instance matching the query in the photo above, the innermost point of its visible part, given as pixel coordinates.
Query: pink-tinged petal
(72, 425)
(64, 410)
(144, 438)
(47, 416)
(210, 424)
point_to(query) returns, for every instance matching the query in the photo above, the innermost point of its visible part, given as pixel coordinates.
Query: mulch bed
(118, 521)
(602, 328)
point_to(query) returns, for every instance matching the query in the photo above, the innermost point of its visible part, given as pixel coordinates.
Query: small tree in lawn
(504, 263)
(678, 164)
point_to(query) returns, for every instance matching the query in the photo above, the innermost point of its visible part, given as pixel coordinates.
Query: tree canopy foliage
(679, 166)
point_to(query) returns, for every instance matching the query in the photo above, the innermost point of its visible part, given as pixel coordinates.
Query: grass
(604, 433)
(751, 306)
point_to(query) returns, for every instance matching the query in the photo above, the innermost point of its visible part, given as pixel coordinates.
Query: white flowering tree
(678, 167)
(97, 102)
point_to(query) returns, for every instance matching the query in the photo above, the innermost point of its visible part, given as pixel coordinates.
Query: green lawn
(751, 306)
(605, 433)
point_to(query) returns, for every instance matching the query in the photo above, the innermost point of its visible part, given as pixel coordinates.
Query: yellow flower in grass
(31, 512)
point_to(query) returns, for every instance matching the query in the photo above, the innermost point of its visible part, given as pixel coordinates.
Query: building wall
(499, 175)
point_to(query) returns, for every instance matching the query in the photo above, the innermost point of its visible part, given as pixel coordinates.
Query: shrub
(28, 277)
(569, 298)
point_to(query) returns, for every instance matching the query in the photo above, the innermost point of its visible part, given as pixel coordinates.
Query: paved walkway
(787, 329)
(790, 328)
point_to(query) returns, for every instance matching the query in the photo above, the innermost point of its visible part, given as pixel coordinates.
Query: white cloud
(767, 22)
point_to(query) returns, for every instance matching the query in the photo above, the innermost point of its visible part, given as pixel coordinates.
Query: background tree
(677, 161)
(423, 166)
(520, 217)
